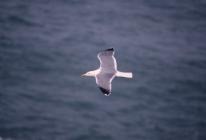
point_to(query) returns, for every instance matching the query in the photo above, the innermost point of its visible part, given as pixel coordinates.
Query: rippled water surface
(45, 45)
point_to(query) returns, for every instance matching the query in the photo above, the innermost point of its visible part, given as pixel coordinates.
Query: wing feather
(104, 82)
(107, 60)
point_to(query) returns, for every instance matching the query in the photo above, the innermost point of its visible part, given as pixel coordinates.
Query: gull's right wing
(107, 60)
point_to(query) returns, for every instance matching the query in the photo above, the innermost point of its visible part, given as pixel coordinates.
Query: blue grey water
(45, 45)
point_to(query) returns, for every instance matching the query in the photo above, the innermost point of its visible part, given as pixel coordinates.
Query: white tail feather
(124, 74)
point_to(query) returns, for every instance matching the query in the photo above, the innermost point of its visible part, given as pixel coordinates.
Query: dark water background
(45, 45)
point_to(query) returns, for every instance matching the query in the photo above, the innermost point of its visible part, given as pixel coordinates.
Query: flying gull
(107, 71)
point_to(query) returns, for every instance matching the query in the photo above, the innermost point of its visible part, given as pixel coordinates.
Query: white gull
(107, 71)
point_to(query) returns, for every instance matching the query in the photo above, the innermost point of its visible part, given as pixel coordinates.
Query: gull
(107, 71)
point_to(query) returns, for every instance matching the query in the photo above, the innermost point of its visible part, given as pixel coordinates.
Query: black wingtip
(111, 49)
(105, 91)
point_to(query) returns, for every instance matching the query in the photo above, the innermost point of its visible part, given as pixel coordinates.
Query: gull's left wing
(103, 81)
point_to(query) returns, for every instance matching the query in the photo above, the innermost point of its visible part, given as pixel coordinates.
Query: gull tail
(124, 74)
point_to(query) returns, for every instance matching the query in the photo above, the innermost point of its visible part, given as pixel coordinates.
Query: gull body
(107, 71)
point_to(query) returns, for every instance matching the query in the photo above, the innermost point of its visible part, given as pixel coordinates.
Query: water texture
(45, 45)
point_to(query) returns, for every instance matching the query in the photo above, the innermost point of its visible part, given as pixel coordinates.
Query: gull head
(90, 73)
